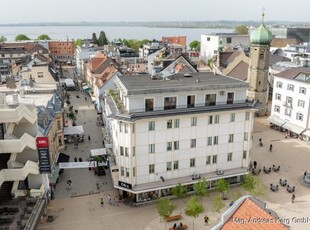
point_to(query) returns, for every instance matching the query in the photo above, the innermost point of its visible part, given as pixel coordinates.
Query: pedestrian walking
(255, 164)
(206, 220)
(116, 200)
(85, 98)
(293, 198)
(110, 200)
(101, 201)
(75, 159)
(305, 174)
(89, 137)
(270, 148)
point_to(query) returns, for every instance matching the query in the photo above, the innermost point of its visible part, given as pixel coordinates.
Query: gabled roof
(293, 74)
(240, 71)
(282, 42)
(96, 61)
(249, 213)
(107, 74)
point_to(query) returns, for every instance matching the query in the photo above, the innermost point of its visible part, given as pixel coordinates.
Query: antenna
(263, 14)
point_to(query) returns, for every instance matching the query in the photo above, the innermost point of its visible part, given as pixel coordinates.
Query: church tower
(258, 68)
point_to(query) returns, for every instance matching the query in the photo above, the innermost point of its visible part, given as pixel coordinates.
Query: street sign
(44, 155)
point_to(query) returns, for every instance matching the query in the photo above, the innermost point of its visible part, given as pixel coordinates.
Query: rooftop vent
(187, 75)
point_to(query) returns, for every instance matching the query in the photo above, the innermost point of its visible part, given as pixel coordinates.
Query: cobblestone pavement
(291, 154)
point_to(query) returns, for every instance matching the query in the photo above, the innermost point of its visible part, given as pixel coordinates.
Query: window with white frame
(209, 141)
(40, 74)
(169, 124)
(229, 157)
(277, 108)
(232, 117)
(175, 165)
(247, 116)
(216, 119)
(121, 150)
(288, 112)
(169, 166)
(215, 140)
(302, 90)
(214, 159)
(176, 145)
(126, 151)
(134, 171)
(152, 148)
(169, 146)
(151, 168)
(133, 128)
(279, 84)
(120, 127)
(127, 172)
(193, 121)
(231, 138)
(246, 136)
(290, 87)
(192, 162)
(299, 116)
(278, 96)
(208, 161)
(133, 151)
(126, 128)
(301, 103)
(193, 143)
(176, 123)
(210, 120)
(244, 154)
(122, 171)
(289, 101)
(151, 125)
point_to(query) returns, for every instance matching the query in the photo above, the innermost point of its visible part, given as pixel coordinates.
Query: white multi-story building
(211, 43)
(176, 129)
(291, 101)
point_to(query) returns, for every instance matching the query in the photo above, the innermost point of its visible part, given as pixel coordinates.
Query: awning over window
(306, 133)
(294, 128)
(276, 121)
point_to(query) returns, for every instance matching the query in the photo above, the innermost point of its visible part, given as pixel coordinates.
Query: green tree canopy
(253, 185)
(72, 116)
(3, 39)
(102, 40)
(241, 29)
(222, 186)
(217, 203)
(21, 37)
(133, 43)
(200, 188)
(194, 208)
(95, 39)
(78, 42)
(180, 191)
(195, 45)
(43, 37)
(164, 207)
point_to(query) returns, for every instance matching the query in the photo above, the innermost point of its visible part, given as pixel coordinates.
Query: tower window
(261, 56)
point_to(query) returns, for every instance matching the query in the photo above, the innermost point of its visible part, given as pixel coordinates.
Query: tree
(43, 37)
(217, 203)
(222, 187)
(3, 39)
(241, 29)
(102, 40)
(21, 37)
(95, 39)
(194, 208)
(195, 45)
(78, 42)
(72, 117)
(200, 188)
(164, 207)
(253, 185)
(179, 191)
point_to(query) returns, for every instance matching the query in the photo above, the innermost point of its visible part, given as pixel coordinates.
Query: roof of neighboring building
(293, 73)
(44, 119)
(98, 63)
(251, 214)
(145, 84)
(106, 76)
(179, 65)
(282, 42)
(240, 71)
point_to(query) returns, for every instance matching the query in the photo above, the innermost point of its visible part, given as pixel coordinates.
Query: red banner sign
(42, 142)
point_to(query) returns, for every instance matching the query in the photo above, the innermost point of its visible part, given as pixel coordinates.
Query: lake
(112, 32)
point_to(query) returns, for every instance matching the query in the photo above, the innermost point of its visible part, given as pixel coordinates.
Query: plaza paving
(85, 212)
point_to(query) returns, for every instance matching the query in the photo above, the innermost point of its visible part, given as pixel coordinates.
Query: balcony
(17, 145)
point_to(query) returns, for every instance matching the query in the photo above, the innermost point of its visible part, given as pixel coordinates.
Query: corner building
(165, 131)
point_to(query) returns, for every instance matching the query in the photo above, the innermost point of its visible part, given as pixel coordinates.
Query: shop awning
(277, 121)
(294, 128)
(98, 152)
(74, 130)
(63, 158)
(306, 133)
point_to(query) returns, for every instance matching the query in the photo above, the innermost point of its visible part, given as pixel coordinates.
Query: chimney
(15, 98)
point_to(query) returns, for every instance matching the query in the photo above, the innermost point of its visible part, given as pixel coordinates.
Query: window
(151, 168)
(229, 157)
(302, 90)
(193, 143)
(209, 142)
(126, 152)
(176, 145)
(301, 103)
(288, 112)
(58, 125)
(246, 136)
(176, 165)
(289, 102)
(290, 87)
(169, 124)
(169, 146)
(279, 84)
(278, 96)
(208, 39)
(151, 125)
(244, 154)
(120, 127)
(152, 148)
(210, 120)
(134, 171)
(133, 128)
(214, 159)
(40, 74)
(228, 40)
(193, 121)
(169, 166)
(277, 109)
(208, 161)
(127, 172)
(176, 123)
(231, 138)
(216, 119)
(122, 171)
(126, 128)
(170, 103)
(133, 151)
(149, 104)
(121, 150)
(230, 98)
(192, 162)
(299, 116)
(215, 140)
(190, 101)
(232, 117)
(247, 116)
(210, 100)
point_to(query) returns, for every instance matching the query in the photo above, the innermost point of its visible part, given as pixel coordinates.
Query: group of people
(261, 144)
(110, 202)
(180, 226)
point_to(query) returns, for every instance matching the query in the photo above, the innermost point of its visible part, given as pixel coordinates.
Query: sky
(23, 11)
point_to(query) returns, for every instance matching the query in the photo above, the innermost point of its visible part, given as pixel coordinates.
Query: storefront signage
(44, 155)
(77, 165)
(124, 185)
